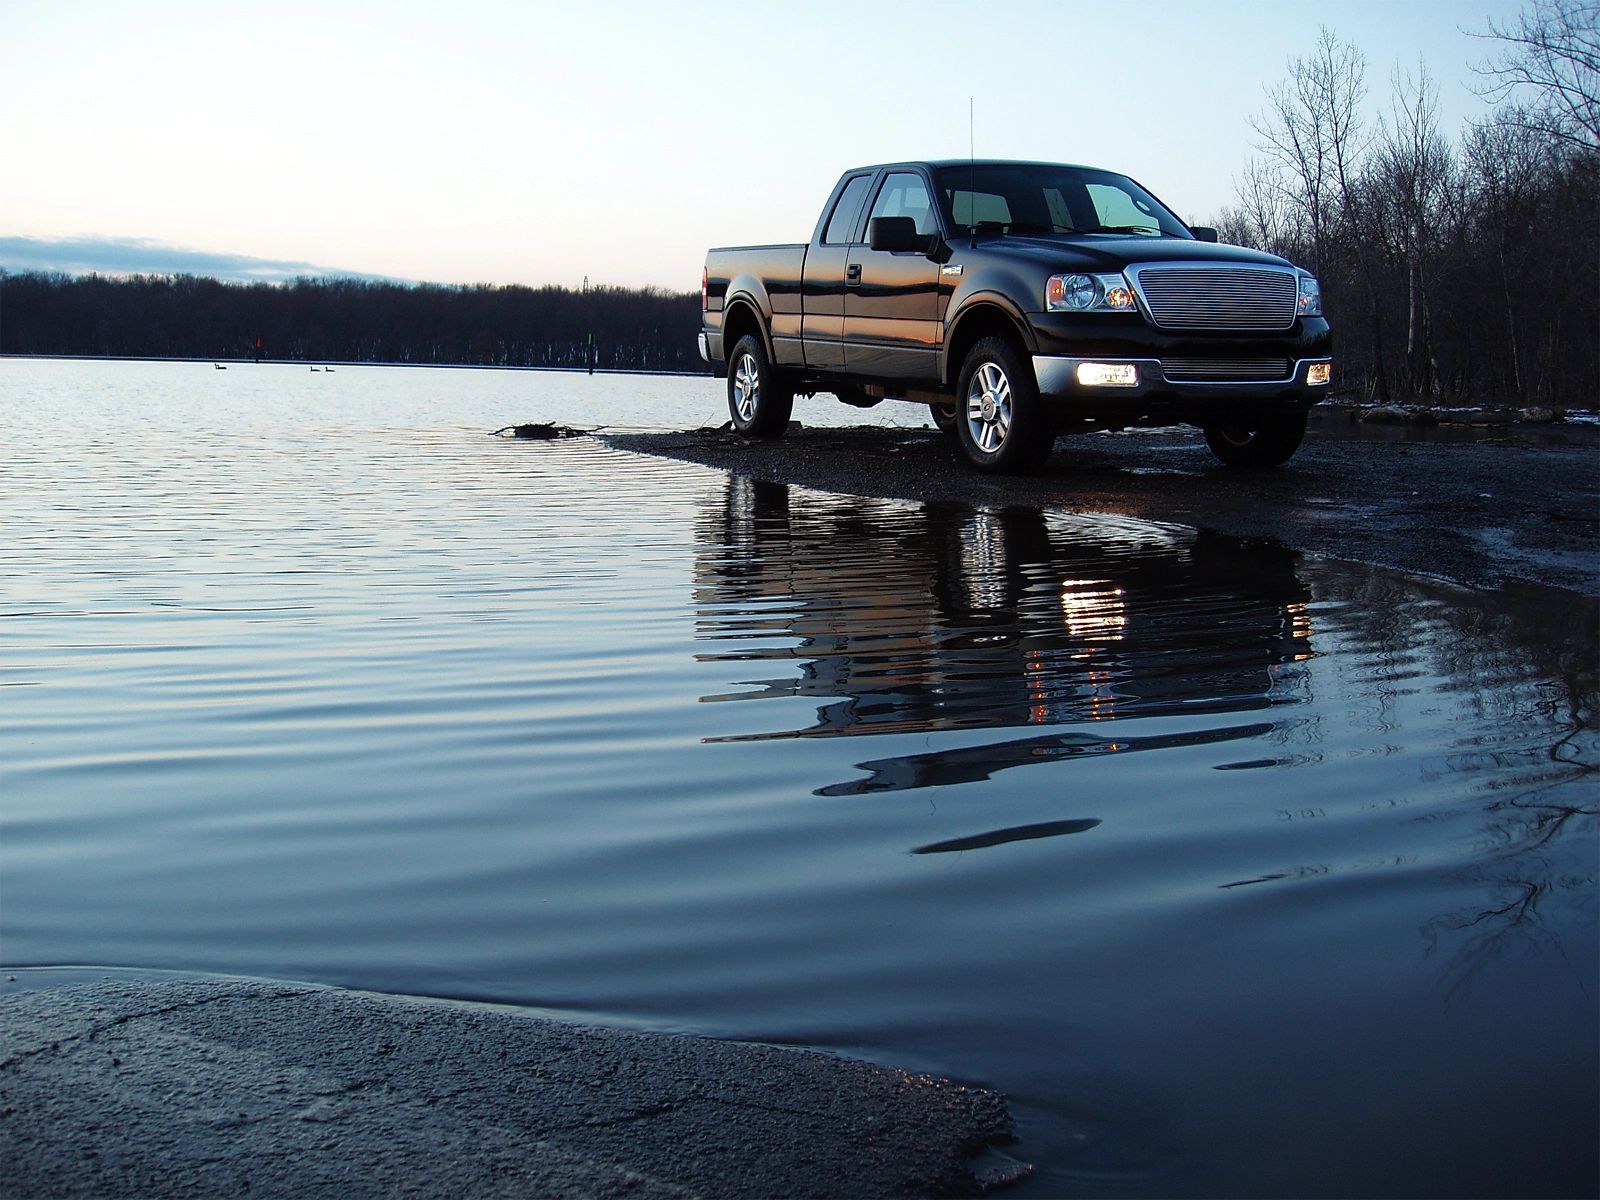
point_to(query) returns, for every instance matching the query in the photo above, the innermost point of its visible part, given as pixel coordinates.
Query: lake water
(1241, 872)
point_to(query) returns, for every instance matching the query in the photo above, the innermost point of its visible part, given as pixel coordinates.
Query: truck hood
(1110, 252)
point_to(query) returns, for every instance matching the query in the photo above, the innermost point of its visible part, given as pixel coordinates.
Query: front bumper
(1157, 399)
(1203, 389)
(1058, 376)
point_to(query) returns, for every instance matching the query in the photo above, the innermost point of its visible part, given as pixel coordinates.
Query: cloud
(145, 256)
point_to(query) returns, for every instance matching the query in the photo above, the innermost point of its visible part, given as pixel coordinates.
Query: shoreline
(1489, 510)
(355, 362)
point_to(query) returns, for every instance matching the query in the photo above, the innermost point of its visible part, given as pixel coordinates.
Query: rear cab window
(842, 224)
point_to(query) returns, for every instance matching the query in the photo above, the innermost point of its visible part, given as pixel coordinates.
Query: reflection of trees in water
(1522, 670)
(896, 617)
(1522, 881)
(1483, 648)
(1548, 795)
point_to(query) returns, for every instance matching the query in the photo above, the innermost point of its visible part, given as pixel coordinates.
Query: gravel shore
(1511, 506)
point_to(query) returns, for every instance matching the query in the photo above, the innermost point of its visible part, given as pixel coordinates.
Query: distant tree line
(345, 320)
(1451, 273)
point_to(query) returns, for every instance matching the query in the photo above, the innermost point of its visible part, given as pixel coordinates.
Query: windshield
(1042, 198)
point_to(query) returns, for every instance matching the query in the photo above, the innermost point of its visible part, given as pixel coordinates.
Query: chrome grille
(1225, 370)
(1210, 297)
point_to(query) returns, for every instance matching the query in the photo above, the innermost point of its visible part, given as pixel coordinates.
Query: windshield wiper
(1007, 227)
(1145, 229)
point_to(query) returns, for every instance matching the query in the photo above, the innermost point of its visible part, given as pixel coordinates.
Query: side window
(905, 195)
(843, 222)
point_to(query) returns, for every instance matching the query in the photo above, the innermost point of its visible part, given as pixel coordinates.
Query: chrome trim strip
(1189, 369)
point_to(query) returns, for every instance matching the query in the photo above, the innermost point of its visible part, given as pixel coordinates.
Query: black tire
(1257, 442)
(944, 413)
(759, 399)
(999, 417)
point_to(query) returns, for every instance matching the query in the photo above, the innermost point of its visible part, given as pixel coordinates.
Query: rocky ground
(1502, 503)
(128, 1085)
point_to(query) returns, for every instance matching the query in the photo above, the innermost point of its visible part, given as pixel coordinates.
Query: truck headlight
(1309, 303)
(1088, 293)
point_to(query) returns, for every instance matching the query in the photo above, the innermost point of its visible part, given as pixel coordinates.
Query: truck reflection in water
(897, 617)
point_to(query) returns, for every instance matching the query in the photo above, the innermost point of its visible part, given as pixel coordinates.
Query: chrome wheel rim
(746, 387)
(989, 407)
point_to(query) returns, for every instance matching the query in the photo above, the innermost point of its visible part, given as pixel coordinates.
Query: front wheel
(1257, 442)
(759, 401)
(999, 417)
(945, 414)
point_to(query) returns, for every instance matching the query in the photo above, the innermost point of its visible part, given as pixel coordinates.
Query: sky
(534, 143)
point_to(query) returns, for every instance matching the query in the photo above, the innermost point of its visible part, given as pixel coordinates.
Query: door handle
(852, 273)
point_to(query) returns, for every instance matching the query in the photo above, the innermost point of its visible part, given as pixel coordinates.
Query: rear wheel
(1257, 441)
(759, 401)
(1000, 419)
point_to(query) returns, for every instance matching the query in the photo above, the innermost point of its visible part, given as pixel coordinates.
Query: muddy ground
(1507, 506)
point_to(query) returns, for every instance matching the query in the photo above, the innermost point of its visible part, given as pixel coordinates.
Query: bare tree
(1503, 161)
(1304, 121)
(1263, 217)
(1312, 130)
(1412, 176)
(1481, 257)
(1553, 48)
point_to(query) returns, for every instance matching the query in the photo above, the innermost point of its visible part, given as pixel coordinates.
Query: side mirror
(1203, 233)
(896, 234)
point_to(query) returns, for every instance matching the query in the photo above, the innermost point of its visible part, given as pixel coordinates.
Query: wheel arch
(985, 315)
(741, 317)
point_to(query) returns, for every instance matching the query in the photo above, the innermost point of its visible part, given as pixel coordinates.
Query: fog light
(1091, 374)
(1319, 373)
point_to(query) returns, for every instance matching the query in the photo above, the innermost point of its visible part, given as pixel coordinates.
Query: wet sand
(1512, 506)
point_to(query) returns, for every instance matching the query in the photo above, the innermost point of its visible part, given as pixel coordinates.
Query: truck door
(822, 289)
(891, 298)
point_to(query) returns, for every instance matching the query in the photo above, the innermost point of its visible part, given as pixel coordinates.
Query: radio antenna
(972, 174)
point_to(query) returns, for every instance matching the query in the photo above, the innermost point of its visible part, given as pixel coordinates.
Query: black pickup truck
(1019, 301)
